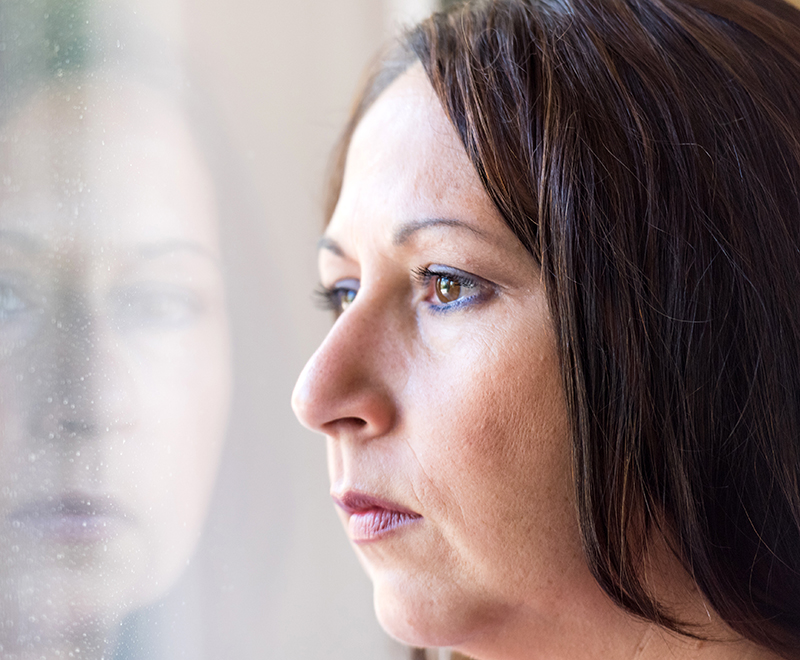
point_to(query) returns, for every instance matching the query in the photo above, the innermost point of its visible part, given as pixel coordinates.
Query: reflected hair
(647, 154)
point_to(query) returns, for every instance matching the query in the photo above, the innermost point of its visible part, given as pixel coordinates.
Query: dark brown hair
(647, 154)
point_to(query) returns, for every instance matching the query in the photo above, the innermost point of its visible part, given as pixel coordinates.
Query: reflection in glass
(114, 357)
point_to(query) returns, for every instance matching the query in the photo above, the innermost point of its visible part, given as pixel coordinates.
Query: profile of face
(114, 357)
(439, 390)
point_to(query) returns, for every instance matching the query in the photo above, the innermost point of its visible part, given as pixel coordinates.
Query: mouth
(372, 518)
(71, 518)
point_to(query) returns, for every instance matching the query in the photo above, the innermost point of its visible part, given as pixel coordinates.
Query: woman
(115, 372)
(562, 393)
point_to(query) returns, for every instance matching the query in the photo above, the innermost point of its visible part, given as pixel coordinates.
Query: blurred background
(161, 178)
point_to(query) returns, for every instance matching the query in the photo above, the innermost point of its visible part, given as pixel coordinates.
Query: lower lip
(375, 524)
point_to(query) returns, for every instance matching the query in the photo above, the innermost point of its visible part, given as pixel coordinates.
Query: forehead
(406, 118)
(103, 162)
(406, 161)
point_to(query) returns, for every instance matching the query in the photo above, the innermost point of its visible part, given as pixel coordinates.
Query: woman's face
(114, 366)
(439, 391)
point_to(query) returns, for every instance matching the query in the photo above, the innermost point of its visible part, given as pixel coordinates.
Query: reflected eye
(157, 305)
(21, 310)
(448, 288)
(11, 303)
(338, 297)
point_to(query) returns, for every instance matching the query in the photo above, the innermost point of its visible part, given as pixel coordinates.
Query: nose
(349, 385)
(85, 388)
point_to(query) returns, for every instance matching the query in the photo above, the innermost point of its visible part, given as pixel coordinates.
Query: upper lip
(355, 502)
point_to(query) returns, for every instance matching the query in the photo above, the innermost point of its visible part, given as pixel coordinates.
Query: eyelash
(427, 277)
(332, 299)
(338, 297)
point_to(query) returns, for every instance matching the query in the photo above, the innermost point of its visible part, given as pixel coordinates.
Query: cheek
(498, 460)
(335, 466)
(160, 467)
(165, 470)
(183, 409)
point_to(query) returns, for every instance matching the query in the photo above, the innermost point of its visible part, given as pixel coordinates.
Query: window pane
(161, 167)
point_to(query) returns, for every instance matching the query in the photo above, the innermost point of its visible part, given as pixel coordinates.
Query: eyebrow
(155, 250)
(329, 244)
(405, 231)
(408, 229)
(32, 245)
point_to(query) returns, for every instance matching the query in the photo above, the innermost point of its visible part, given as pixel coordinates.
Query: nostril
(344, 424)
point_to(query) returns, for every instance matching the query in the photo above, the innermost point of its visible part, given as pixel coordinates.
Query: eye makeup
(447, 289)
(338, 297)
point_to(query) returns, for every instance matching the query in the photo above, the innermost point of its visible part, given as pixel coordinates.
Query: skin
(114, 359)
(455, 411)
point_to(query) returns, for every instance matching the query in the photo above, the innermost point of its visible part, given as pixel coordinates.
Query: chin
(417, 613)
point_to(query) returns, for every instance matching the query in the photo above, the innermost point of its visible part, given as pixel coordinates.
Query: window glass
(161, 168)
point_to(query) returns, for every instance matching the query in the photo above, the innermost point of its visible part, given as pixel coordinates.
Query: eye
(338, 297)
(11, 303)
(22, 307)
(156, 305)
(448, 288)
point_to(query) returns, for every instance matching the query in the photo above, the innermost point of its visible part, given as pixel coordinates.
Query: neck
(658, 643)
(632, 640)
(582, 623)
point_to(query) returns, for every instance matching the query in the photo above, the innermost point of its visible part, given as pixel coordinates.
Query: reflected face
(114, 366)
(438, 388)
